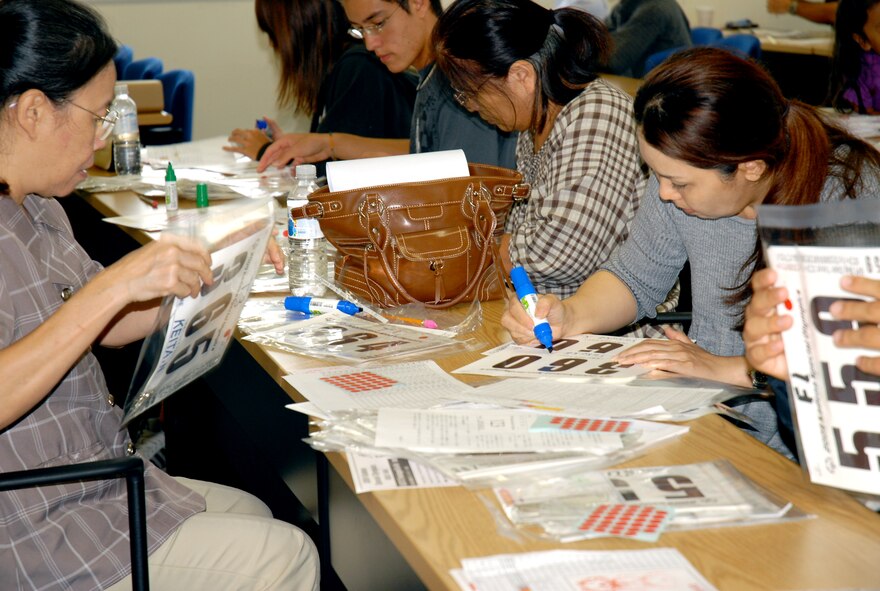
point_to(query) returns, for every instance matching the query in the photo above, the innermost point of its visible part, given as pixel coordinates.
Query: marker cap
(544, 335)
(348, 307)
(201, 195)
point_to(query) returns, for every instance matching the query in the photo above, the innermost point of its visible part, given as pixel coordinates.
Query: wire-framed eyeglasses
(374, 29)
(461, 97)
(103, 123)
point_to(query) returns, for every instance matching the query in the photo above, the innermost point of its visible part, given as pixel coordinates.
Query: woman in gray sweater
(720, 139)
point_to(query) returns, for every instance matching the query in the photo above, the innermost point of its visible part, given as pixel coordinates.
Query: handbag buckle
(317, 205)
(519, 191)
(372, 204)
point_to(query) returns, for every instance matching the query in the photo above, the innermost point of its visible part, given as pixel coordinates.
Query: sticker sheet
(584, 358)
(417, 384)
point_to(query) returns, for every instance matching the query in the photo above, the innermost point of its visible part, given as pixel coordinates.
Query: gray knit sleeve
(652, 257)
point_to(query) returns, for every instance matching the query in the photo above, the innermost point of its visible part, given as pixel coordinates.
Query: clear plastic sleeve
(834, 405)
(191, 334)
(710, 494)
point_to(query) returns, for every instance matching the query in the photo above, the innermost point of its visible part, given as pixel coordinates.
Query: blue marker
(311, 305)
(529, 299)
(263, 126)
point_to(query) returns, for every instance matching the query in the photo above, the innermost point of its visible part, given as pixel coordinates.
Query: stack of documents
(415, 411)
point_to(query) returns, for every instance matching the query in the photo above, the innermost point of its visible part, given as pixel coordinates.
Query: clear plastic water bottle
(126, 136)
(307, 252)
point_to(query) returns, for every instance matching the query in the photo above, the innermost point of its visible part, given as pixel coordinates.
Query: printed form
(572, 570)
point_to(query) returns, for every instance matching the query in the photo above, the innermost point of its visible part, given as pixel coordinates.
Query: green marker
(170, 191)
(201, 195)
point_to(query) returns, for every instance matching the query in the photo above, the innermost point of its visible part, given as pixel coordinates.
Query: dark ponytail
(476, 41)
(714, 110)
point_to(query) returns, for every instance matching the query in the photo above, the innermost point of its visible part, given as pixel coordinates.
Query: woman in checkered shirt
(528, 69)
(56, 83)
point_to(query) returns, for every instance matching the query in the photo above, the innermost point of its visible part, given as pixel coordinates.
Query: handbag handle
(517, 191)
(487, 249)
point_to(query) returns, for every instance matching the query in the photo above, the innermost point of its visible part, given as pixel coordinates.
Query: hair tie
(553, 28)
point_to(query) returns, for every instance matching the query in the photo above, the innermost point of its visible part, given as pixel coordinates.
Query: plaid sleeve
(586, 180)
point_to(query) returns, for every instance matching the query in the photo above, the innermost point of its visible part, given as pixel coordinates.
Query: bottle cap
(262, 125)
(120, 88)
(169, 174)
(306, 171)
(201, 195)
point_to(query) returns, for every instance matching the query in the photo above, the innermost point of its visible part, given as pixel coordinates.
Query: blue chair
(147, 68)
(124, 56)
(706, 35)
(747, 46)
(178, 88)
(655, 59)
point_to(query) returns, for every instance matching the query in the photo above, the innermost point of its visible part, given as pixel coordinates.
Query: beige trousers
(234, 545)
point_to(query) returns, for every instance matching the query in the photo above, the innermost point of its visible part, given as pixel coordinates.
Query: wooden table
(820, 44)
(839, 547)
(802, 66)
(433, 529)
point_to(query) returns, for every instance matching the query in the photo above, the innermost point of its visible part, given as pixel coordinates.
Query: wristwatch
(759, 380)
(792, 8)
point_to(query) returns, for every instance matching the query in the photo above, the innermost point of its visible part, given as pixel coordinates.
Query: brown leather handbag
(432, 242)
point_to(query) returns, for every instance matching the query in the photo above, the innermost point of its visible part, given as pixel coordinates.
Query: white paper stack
(345, 175)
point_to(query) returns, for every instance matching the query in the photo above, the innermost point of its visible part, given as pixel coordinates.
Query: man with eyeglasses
(399, 33)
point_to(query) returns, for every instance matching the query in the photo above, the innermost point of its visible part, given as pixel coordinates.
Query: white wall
(220, 42)
(235, 70)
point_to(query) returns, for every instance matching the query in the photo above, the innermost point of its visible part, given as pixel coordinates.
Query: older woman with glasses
(56, 81)
(329, 76)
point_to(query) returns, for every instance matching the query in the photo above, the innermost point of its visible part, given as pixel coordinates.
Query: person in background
(329, 76)
(56, 85)
(855, 67)
(598, 8)
(399, 33)
(818, 12)
(720, 139)
(641, 28)
(764, 326)
(534, 72)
